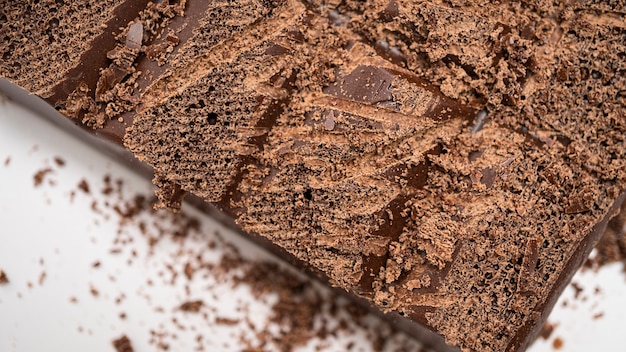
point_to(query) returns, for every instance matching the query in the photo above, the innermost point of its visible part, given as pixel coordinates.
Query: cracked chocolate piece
(450, 166)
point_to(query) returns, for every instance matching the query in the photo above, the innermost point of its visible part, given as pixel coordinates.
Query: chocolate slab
(434, 162)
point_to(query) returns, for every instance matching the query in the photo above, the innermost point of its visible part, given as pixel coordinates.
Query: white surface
(47, 229)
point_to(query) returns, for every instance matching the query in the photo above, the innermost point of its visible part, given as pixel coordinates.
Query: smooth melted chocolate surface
(453, 163)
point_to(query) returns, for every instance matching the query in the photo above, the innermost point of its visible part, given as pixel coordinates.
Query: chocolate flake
(59, 161)
(94, 292)
(192, 306)
(3, 278)
(42, 278)
(123, 344)
(134, 37)
(39, 177)
(83, 185)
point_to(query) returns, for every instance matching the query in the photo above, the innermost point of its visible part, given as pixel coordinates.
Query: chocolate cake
(450, 163)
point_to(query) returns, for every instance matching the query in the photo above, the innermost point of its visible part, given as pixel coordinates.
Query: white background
(53, 229)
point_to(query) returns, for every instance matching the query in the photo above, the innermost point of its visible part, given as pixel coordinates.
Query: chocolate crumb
(120, 298)
(191, 306)
(108, 187)
(226, 321)
(135, 36)
(189, 271)
(94, 292)
(598, 316)
(59, 161)
(84, 186)
(557, 343)
(3, 278)
(7, 161)
(123, 344)
(577, 288)
(39, 177)
(42, 278)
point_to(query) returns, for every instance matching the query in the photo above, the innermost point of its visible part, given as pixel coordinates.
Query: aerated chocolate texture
(453, 163)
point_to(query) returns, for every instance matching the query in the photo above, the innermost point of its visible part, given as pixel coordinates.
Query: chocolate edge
(529, 331)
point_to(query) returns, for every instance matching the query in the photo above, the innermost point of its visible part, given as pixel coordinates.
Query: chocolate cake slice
(450, 164)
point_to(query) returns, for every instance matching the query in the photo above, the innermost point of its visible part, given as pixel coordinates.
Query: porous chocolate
(450, 163)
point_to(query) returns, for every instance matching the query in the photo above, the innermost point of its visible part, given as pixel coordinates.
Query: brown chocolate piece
(123, 344)
(469, 202)
(3, 278)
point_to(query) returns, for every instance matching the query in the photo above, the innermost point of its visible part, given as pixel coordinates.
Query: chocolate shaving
(172, 39)
(123, 344)
(59, 161)
(39, 177)
(83, 185)
(3, 278)
(191, 306)
(135, 36)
